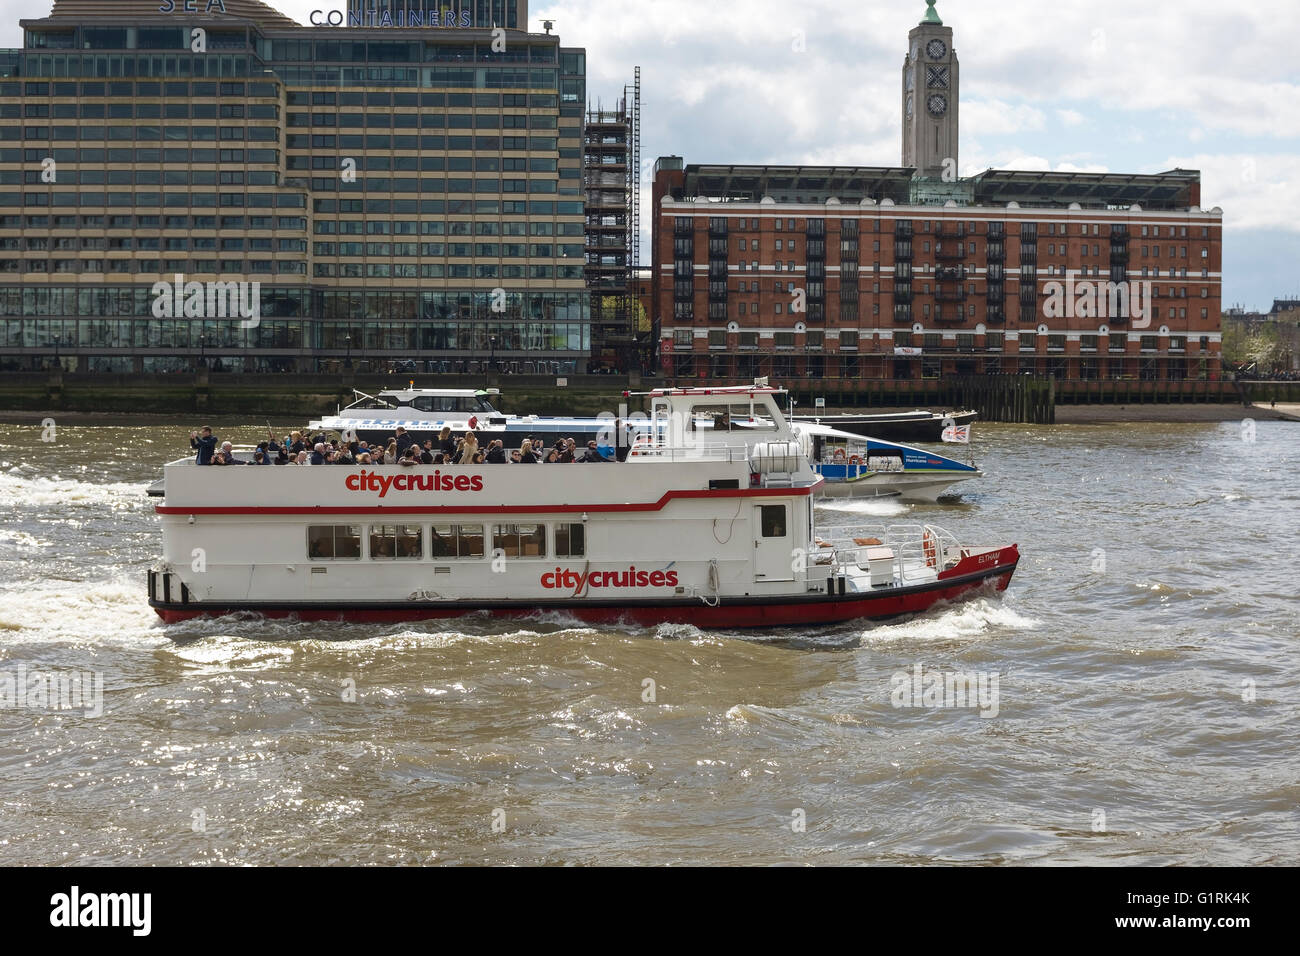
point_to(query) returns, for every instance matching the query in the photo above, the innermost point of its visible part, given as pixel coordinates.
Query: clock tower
(930, 98)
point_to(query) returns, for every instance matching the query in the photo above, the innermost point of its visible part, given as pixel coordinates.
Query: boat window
(519, 540)
(389, 541)
(570, 541)
(333, 541)
(732, 416)
(773, 520)
(456, 541)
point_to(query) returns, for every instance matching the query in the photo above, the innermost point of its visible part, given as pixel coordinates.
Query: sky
(1101, 85)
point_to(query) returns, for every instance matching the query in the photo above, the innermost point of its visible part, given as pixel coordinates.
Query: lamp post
(347, 340)
(57, 340)
(203, 345)
(492, 357)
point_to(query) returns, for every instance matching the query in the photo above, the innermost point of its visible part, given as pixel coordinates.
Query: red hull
(738, 613)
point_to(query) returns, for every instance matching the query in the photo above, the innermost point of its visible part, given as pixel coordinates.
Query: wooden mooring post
(1006, 398)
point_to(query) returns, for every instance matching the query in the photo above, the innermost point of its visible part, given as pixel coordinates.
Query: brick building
(912, 272)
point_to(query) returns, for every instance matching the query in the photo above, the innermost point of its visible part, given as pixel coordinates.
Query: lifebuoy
(839, 454)
(473, 422)
(931, 546)
(855, 460)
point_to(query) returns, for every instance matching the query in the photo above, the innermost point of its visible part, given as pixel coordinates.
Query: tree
(1247, 343)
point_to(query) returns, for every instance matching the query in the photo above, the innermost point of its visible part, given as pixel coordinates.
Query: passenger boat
(424, 412)
(856, 467)
(919, 425)
(686, 530)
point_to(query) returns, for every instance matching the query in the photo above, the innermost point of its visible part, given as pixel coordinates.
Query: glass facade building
(395, 192)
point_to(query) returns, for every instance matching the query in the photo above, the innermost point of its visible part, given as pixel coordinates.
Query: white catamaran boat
(688, 529)
(858, 467)
(423, 412)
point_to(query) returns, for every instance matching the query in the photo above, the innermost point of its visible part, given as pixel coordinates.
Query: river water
(1146, 659)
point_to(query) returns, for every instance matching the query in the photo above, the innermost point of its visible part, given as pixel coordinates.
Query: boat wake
(875, 508)
(971, 621)
(106, 612)
(23, 486)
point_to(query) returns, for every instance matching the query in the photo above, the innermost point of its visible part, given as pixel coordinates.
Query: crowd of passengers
(297, 448)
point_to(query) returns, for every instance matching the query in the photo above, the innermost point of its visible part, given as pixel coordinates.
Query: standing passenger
(205, 444)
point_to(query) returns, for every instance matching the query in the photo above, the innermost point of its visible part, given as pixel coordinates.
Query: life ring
(839, 454)
(855, 460)
(931, 546)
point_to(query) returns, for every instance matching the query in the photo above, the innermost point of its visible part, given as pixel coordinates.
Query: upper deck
(647, 484)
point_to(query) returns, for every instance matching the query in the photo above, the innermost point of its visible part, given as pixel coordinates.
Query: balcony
(949, 251)
(950, 295)
(949, 230)
(949, 315)
(950, 273)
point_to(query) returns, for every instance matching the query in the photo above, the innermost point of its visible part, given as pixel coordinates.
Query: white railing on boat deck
(649, 450)
(911, 547)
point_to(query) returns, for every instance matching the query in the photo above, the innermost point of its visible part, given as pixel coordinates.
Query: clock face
(909, 104)
(936, 49)
(936, 77)
(937, 104)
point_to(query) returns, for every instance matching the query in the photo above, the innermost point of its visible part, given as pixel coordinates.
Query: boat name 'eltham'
(369, 481)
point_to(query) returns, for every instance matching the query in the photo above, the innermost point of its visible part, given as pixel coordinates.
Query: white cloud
(1256, 191)
(1070, 117)
(999, 118)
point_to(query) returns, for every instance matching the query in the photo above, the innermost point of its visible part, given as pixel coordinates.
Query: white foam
(19, 491)
(875, 507)
(99, 612)
(964, 622)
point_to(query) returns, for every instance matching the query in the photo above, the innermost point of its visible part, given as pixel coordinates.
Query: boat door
(773, 549)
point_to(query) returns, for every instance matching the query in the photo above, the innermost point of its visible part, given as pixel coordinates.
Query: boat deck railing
(649, 450)
(915, 551)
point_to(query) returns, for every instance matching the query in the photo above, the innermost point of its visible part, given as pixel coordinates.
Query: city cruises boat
(920, 425)
(858, 467)
(424, 412)
(687, 530)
